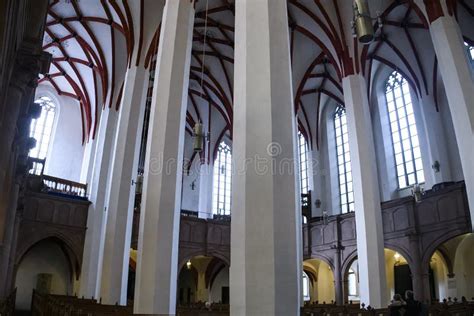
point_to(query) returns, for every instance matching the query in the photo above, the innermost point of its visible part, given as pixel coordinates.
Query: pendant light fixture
(362, 22)
(198, 130)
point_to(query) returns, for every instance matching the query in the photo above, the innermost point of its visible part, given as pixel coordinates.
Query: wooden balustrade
(7, 306)
(60, 305)
(62, 186)
(200, 309)
(437, 309)
(37, 165)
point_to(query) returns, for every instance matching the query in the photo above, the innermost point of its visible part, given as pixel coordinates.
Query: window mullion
(405, 175)
(409, 134)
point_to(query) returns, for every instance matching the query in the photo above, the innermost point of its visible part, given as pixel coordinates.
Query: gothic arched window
(405, 140)
(344, 168)
(41, 129)
(222, 180)
(303, 151)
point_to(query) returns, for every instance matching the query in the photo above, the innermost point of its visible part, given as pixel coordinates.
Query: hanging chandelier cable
(204, 48)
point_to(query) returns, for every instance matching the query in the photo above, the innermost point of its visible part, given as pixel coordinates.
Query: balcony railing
(63, 187)
(37, 165)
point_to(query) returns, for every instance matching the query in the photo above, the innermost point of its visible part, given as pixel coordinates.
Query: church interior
(237, 157)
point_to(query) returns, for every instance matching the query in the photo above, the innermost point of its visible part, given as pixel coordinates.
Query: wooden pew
(60, 305)
(7, 306)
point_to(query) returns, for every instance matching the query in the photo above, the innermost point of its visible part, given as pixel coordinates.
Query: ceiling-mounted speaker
(198, 136)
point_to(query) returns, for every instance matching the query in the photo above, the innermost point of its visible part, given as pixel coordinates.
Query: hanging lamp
(198, 130)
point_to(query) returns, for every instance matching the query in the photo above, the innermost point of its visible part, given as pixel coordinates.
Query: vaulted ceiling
(93, 42)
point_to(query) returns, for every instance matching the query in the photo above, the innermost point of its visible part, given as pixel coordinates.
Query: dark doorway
(432, 285)
(131, 283)
(402, 279)
(225, 295)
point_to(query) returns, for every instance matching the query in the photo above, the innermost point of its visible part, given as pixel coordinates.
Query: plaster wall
(65, 153)
(44, 257)
(221, 280)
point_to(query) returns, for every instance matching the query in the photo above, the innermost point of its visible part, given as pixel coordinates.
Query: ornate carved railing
(189, 213)
(37, 165)
(63, 186)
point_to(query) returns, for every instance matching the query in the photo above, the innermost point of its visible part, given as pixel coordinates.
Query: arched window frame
(304, 159)
(343, 159)
(306, 287)
(403, 131)
(222, 180)
(42, 129)
(352, 283)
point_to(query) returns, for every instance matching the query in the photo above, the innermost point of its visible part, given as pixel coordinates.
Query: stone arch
(71, 248)
(429, 250)
(347, 262)
(405, 253)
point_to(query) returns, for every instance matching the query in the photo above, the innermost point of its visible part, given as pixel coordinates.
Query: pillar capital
(434, 9)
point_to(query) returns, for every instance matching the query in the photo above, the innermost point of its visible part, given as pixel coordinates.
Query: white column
(368, 213)
(457, 77)
(157, 264)
(266, 249)
(99, 188)
(122, 192)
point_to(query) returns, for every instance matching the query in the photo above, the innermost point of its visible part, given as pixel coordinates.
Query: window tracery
(346, 191)
(406, 145)
(221, 203)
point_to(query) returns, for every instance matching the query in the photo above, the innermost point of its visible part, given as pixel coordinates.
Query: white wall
(222, 279)
(45, 257)
(65, 153)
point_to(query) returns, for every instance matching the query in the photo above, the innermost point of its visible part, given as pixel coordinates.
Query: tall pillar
(458, 81)
(157, 264)
(99, 188)
(118, 229)
(202, 291)
(266, 247)
(368, 214)
(420, 289)
(338, 276)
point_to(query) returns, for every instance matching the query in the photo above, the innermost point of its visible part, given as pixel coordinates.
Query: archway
(351, 283)
(451, 273)
(398, 274)
(45, 267)
(203, 279)
(321, 281)
(463, 267)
